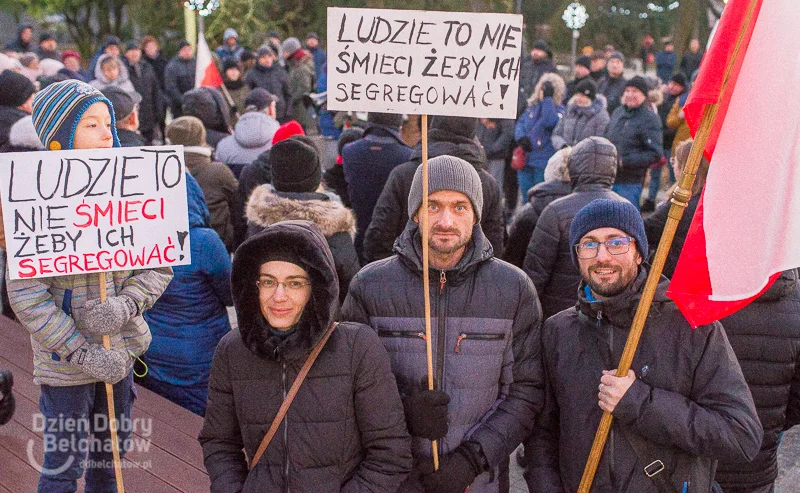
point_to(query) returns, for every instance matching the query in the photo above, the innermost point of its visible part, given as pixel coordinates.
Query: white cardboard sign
(83, 211)
(421, 62)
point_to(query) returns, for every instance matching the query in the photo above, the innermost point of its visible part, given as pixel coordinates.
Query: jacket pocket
(476, 337)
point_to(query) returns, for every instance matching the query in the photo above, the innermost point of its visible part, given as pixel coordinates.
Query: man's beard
(448, 248)
(611, 288)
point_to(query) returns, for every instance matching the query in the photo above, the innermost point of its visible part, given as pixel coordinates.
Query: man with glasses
(683, 406)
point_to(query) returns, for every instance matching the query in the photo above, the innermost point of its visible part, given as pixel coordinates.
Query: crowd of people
(538, 256)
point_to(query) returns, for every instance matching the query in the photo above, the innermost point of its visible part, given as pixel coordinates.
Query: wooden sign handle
(112, 415)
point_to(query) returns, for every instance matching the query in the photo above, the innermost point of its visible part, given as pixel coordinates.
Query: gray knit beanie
(447, 173)
(291, 45)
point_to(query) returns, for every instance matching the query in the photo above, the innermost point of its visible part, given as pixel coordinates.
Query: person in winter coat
(209, 105)
(585, 117)
(179, 77)
(48, 47)
(232, 78)
(16, 101)
(252, 135)
(127, 117)
(217, 181)
(146, 83)
(598, 66)
(690, 61)
(269, 75)
(592, 166)
(230, 49)
(682, 406)
(344, 431)
(486, 340)
(110, 46)
(666, 60)
(636, 131)
(23, 41)
(583, 70)
(67, 320)
(72, 65)
(534, 129)
(532, 68)
(497, 138)
(151, 53)
(556, 184)
(612, 86)
(302, 82)
(451, 135)
(295, 193)
(190, 318)
(367, 163)
(111, 72)
(334, 177)
(676, 121)
(319, 55)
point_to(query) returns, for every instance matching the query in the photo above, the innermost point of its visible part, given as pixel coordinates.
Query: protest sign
(418, 62)
(97, 210)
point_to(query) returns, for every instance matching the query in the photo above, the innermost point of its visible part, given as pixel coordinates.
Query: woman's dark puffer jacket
(654, 227)
(592, 166)
(765, 336)
(344, 432)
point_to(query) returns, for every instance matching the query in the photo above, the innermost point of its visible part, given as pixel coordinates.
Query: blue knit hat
(604, 213)
(58, 108)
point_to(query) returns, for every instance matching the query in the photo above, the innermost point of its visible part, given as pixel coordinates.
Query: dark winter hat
(229, 63)
(447, 173)
(121, 101)
(350, 135)
(259, 98)
(639, 83)
(187, 131)
(273, 34)
(295, 165)
(111, 40)
(183, 43)
(459, 125)
(132, 45)
(587, 87)
(584, 61)
(291, 45)
(541, 45)
(391, 120)
(58, 108)
(247, 55)
(312, 34)
(46, 37)
(605, 213)
(618, 55)
(266, 50)
(16, 88)
(679, 78)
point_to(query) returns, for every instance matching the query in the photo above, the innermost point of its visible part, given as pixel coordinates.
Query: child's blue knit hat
(58, 108)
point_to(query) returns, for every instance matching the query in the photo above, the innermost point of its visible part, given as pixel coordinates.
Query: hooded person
(111, 46)
(209, 105)
(448, 135)
(48, 47)
(190, 318)
(67, 321)
(111, 72)
(230, 48)
(345, 429)
(586, 116)
(23, 41)
(16, 99)
(295, 193)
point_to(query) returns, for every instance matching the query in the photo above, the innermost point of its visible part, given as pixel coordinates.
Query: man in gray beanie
(486, 339)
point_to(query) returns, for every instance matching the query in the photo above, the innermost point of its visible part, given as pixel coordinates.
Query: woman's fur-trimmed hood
(558, 84)
(267, 206)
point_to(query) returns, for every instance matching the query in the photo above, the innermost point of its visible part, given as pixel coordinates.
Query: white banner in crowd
(77, 212)
(415, 62)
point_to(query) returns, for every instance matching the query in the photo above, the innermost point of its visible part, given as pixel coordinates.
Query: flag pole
(426, 288)
(112, 415)
(680, 199)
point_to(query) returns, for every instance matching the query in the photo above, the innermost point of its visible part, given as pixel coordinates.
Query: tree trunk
(689, 14)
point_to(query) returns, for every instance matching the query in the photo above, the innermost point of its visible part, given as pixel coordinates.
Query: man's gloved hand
(526, 144)
(108, 317)
(457, 471)
(7, 403)
(548, 89)
(426, 413)
(108, 365)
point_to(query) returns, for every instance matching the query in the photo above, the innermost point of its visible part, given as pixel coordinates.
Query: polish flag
(747, 227)
(206, 74)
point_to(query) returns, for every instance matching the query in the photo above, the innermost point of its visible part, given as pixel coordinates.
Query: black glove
(548, 89)
(7, 403)
(526, 144)
(426, 413)
(457, 470)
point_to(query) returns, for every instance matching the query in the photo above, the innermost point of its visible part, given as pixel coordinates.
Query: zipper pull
(442, 280)
(599, 317)
(458, 342)
(421, 335)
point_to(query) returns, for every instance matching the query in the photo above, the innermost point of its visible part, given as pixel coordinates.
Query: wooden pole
(112, 415)
(426, 288)
(680, 199)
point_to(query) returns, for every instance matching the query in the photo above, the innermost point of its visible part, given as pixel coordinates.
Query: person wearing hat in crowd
(179, 77)
(217, 181)
(111, 72)
(295, 193)
(127, 117)
(22, 42)
(586, 116)
(274, 39)
(145, 81)
(72, 65)
(666, 60)
(271, 76)
(345, 430)
(485, 323)
(252, 134)
(448, 135)
(209, 105)
(598, 66)
(48, 47)
(16, 101)
(302, 82)
(532, 69)
(636, 131)
(230, 49)
(67, 320)
(613, 84)
(676, 120)
(234, 83)
(683, 405)
(583, 70)
(320, 57)
(111, 46)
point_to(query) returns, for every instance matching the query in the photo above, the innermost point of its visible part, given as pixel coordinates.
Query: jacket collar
(619, 310)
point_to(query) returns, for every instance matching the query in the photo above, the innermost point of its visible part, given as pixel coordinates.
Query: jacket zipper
(477, 337)
(400, 333)
(285, 433)
(441, 334)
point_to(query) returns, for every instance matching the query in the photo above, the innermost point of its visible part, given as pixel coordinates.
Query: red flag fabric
(206, 74)
(747, 225)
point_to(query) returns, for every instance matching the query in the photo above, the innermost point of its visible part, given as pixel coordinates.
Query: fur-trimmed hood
(267, 206)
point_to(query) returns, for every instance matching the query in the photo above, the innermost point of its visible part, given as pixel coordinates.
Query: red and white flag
(747, 227)
(206, 74)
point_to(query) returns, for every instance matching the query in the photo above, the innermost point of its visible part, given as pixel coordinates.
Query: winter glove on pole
(457, 470)
(548, 90)
(108, 317)
(526, 144)
(108, 365)
(7, 403)
(426, 413)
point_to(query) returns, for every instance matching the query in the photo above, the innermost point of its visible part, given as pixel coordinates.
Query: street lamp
(575, 18)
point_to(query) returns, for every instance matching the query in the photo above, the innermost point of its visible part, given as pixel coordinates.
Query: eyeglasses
(614, 246)
(269, 286)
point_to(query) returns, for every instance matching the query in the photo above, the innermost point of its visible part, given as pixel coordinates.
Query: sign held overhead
(419, 62)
